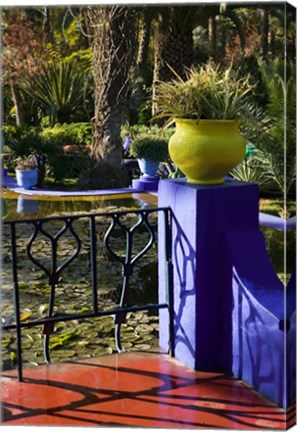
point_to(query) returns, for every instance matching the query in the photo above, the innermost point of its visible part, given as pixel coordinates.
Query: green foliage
(49, 143)
(69, 133)
(23, 140)
(133, 131)
(254, 169)
(170, 171)
(273, 131)
(82, 58)
(278, 141)
(59, 90)
(151, 146)
(208, 93)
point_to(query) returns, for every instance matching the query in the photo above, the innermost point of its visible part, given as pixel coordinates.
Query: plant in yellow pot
(205, 107)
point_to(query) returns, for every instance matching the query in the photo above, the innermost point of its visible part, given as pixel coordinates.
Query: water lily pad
(5, 342)
(65, 354)
(141, 346)
(144, 328)
(130, 337)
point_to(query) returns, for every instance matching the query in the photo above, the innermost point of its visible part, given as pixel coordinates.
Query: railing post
(16, 298)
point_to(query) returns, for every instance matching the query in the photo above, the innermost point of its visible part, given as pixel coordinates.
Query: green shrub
(22, 140)
(147, 145)
(49, 143)
(68, 134)
(135, 130)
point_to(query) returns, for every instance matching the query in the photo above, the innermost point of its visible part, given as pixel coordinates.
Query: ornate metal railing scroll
(56, 266)
(55, 271)
(129, 261)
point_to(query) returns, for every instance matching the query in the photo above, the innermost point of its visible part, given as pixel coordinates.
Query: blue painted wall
(231, 312)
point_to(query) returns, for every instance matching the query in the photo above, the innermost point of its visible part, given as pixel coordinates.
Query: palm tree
(112, 33)
(173, 42)
(146, 15)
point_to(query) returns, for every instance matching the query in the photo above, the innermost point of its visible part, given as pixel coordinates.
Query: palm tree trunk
(112, 33)
(17, 104)
(113, 45)
(212, 37)
(173, 44)
(264, 34)
(141, 64)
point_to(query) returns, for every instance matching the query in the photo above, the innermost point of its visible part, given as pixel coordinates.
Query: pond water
(78, 338)
(18, 207)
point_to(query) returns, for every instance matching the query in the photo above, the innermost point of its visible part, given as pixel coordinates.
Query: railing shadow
(170, 398)
(263, 320)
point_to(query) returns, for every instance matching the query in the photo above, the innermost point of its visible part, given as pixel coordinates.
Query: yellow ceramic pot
(206, 150)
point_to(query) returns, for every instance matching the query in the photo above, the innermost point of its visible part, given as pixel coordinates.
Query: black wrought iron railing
(124, 224)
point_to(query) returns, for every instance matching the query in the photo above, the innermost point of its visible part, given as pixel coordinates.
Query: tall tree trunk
(113, 43)
(17, 104)
(173, 44)
(264, 43)
(212, 37)
(47, 25)
(141, 64)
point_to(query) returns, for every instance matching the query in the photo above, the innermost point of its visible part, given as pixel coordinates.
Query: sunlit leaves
(207, 92)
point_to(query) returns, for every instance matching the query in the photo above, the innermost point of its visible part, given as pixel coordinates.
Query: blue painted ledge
(277, 222)
(11, 184)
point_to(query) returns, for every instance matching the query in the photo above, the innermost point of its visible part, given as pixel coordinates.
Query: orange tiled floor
(134, 389)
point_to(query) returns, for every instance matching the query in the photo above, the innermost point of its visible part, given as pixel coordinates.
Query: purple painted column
(202, 215)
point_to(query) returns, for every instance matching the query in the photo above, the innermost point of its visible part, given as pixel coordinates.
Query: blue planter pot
(148, 167)
(26, 178)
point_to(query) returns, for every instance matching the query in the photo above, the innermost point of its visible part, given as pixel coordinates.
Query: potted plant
(205, 107)
(149, 150)
(26, 172)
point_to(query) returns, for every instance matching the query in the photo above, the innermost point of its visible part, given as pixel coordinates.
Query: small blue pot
(26, 178)
(148, 167)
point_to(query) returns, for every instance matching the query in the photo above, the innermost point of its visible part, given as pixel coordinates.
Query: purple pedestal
(202, 281)
(229, 306)
(146, 183)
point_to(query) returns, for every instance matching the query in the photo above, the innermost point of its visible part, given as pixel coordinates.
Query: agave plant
(59, 89)
(206, 93)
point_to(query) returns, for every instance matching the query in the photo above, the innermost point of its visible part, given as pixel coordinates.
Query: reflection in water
(20, 207)
(27, 205)
(3, 209)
